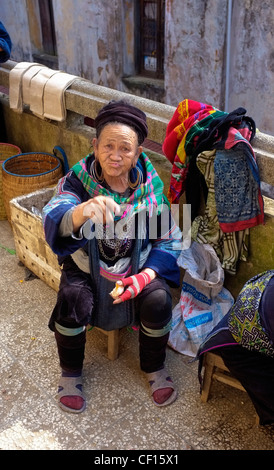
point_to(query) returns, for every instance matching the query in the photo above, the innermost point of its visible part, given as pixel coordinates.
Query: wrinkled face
(117, 150)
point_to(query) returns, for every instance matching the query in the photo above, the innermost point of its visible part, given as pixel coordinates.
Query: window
(152, 32)
(42, 32)
(47, 27)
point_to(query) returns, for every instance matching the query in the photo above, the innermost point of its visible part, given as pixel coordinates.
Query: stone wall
(218, 52)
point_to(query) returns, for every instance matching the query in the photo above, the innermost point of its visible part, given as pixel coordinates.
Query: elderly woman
(244, 339)
(109, 222)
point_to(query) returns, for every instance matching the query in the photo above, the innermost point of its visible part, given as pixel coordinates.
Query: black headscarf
(121, 111)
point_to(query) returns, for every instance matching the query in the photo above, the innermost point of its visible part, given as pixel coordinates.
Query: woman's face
(117, 150)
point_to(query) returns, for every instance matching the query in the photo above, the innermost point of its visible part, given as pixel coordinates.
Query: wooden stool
(113, 343)
(214, 368)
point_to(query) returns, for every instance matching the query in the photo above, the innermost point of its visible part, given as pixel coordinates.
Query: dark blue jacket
(5, 44)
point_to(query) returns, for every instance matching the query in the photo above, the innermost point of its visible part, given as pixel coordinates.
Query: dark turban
(120, 111)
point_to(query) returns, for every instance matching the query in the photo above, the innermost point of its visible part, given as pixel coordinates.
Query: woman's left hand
(135, 284)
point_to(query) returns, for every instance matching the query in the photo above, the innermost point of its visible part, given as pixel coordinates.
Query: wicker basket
(28, 172)
(6, 151)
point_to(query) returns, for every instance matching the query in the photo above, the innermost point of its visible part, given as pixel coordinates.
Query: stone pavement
(119, 414)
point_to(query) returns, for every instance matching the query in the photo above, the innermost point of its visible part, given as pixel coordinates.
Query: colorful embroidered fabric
(188, 115)
(238, 197)
(196, 127)
(244, 319)
(229, 246)
(148, 195)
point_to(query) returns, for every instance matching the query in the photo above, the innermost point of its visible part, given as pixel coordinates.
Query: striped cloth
(189, 119)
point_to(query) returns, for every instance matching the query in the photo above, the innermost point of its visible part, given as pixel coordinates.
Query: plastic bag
(203, 301)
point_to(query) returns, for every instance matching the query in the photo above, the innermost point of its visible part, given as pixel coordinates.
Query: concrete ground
(119, 414)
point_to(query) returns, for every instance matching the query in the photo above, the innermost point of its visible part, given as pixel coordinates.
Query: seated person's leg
(155, 309)
(70, 316)
(255, 371)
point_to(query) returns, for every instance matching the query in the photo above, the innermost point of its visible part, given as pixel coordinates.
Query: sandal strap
(70, 386)
(159, 379)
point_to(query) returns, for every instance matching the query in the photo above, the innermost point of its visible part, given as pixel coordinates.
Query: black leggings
(155, 312)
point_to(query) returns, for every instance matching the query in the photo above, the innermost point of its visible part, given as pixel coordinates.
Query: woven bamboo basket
(28, 172)
(6, 151)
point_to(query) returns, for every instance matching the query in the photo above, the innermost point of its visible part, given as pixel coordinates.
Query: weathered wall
(15, 18)
(252, 60)
(38, 135)
(195, 41)
(95, 40)
(90, 43)
(197, 57)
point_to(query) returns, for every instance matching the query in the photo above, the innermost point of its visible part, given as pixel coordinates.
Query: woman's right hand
(100, 209)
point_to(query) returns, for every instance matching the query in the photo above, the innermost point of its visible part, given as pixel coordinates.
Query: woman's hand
(135, 284)
(100, 209)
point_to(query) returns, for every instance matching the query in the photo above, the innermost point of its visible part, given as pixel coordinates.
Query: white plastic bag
(203, 302)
